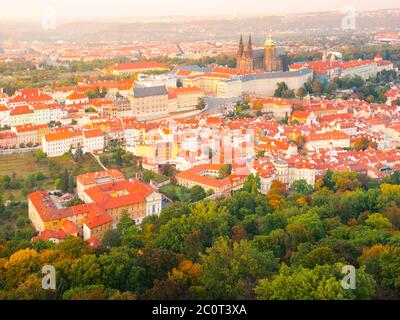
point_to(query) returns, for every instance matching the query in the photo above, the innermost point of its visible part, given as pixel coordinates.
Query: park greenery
(115, 157)
(372, 90)
(287, 244)
(23, 174)
(19, 73)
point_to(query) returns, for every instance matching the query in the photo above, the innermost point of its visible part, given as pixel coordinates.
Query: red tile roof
(49, 211)
(119, 194)
(94, 177)
(63, 135)
(196, 174)
(30, 127)
(69, 228)
(21, 110)
(96, 220)
(93, 133)
(50, 234)
(3, 108)
(93, 242)
(334, 135)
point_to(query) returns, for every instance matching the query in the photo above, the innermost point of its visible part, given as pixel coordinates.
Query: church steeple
(250, 45)
(249, 50)
(241, 47)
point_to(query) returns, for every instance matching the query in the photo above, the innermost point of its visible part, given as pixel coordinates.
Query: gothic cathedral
(268, 59)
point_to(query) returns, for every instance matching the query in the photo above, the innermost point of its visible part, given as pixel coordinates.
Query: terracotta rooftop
(96, 177)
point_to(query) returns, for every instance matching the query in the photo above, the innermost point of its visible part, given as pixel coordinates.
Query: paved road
(97, 158)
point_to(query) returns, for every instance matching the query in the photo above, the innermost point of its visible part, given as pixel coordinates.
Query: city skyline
(199, 151)
(73, 9)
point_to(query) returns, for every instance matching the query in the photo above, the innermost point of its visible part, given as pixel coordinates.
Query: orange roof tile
(63, 135)
(69, 227)
(3, 108)
(96, 220)
(119, 194)
(50, 234)
(22, 110)
(96, 177)
(93, 133)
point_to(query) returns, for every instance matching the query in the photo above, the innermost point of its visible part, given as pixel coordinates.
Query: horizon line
(200, 15)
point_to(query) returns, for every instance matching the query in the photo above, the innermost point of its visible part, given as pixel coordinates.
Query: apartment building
(150, 102)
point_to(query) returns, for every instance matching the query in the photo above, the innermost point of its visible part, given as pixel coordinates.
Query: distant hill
(192, 28)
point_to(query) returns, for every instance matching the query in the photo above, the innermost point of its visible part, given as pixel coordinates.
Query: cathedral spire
(249, 50)
(269, 42)
(241, 47)
(250, 45)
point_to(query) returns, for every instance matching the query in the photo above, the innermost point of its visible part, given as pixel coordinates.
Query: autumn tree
(197, 193)
(301, 93)
(175, 210)
(320, 283)
(393, 214)
(283, 91)
(207, 218)
(85, 271)
(363, 143)
(317, 87)
(252, 184)
(345, 181)
(168, 289)
(97, 292)
(19, 266)
(276, 194)
(302, 187)
(120, 270)
(30, 289)
(231, 270)
(257, 105)
(389, 196)
(371, 258)
(156, 263)
(318, 257)
(187, 271)
(300, 141)
(244, 203)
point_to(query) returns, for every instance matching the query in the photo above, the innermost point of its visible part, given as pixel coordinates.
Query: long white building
(262, 83)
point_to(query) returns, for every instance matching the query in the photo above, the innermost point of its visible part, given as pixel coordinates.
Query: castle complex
(269, 59)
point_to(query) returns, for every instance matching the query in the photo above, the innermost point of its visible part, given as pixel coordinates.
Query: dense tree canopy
(287, 244)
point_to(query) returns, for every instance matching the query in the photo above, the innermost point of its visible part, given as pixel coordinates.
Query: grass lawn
(175, 192)
(130, 172)
(21, 164)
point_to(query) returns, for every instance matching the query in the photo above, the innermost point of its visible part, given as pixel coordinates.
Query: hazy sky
(71, 9)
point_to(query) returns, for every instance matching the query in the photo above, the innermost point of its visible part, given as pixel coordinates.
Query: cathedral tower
(270, 57)
(248, 56)
(241, 48)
